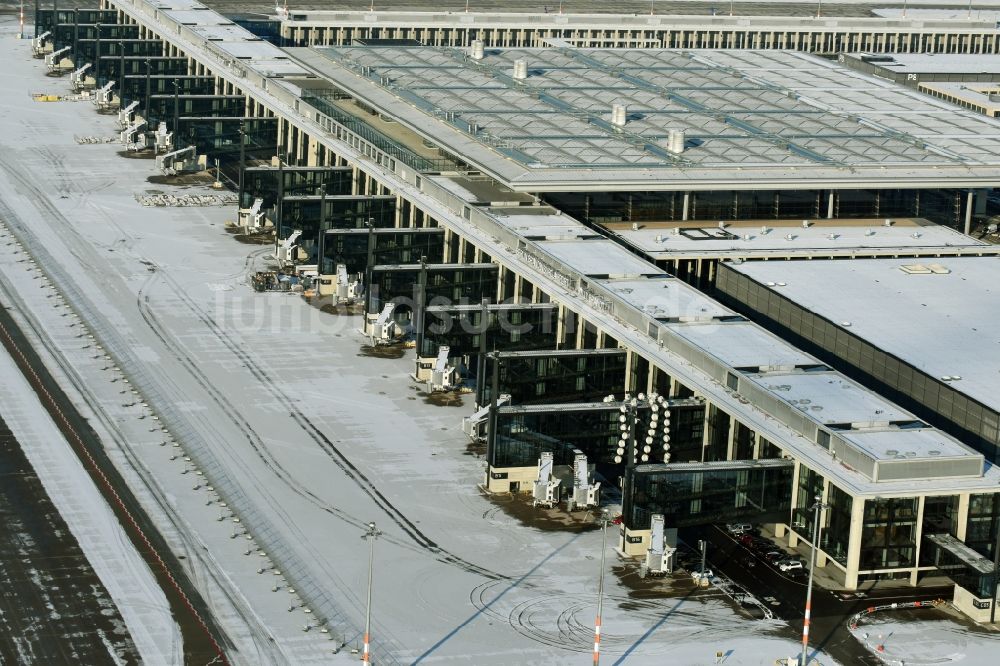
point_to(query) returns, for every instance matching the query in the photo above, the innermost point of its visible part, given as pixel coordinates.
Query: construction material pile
(223, 199)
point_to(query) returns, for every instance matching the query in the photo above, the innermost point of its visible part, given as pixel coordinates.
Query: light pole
(996, 577)
(369, 536)
(600, 588)
(320, 250)
(817, 507)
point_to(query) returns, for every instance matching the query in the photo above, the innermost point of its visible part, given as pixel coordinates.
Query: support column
(854, 543)
(628, 365)
(731, 439)
(919, 538)
(829, 205)
(560, 323)
(685, 211)
(963, 517)
(969, 201)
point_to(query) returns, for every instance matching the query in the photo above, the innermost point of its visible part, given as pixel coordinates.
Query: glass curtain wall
(575, 376)
(699, 494)
(888, 539)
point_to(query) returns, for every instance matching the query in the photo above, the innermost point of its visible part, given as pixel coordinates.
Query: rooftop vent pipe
(478, 49)
(619, 115)
(520, 69)
(675, 141)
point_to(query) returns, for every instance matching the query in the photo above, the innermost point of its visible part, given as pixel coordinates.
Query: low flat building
(921, 333)
(694, 27)
(692, 250)
(969, 81)
(982, 97)
(912, 69)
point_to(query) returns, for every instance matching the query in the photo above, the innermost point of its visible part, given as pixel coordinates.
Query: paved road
(830, 611)
(54, 609)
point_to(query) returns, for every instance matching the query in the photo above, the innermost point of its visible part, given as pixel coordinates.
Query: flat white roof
(888, 445)
(944, 324)
(667, 240)
(598, 257)
(934, 63)
(666, 298)
(831, 399)
(527, 222)
(742, 344)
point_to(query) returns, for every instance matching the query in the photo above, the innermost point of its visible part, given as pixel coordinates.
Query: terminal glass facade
(167, 108)
(687, 432)
(135, 88)
(505, 328)
(565, 376)
(521, 437)
(445, 284)
(889, 536)
(390, 246)
(261, 182)
(344, 212)
(943, 206)
(702, 494)
(836, 535)
(983, 522)
(810, 487)
(220, 138)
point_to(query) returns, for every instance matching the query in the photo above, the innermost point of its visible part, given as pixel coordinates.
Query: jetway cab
(546, 490)
(384, 330)
(662, 549)
(444, 376)
(586, 492)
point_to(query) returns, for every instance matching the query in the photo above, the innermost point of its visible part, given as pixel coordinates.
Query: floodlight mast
(817, 507)
(370, 537)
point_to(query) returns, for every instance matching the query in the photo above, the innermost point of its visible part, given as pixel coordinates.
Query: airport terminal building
(496, 176)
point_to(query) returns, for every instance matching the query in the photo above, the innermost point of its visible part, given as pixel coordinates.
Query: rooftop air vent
(619, 115)
(520, 69)
(676, 140)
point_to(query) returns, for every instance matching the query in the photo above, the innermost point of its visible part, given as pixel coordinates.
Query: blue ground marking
(497, 598)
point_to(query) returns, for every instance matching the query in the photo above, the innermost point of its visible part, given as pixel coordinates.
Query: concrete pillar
(919, 537)
(854, 543)
(687, 206)
(628, 367)
(731, 439)
(560, 324)
(829, 206)
(448, 240)
(963, 516)
(969, 202)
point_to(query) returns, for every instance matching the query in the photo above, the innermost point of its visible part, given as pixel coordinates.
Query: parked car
(747, 539)
(739, 528)
(791, 565)
(773, 556)
(702, 575)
